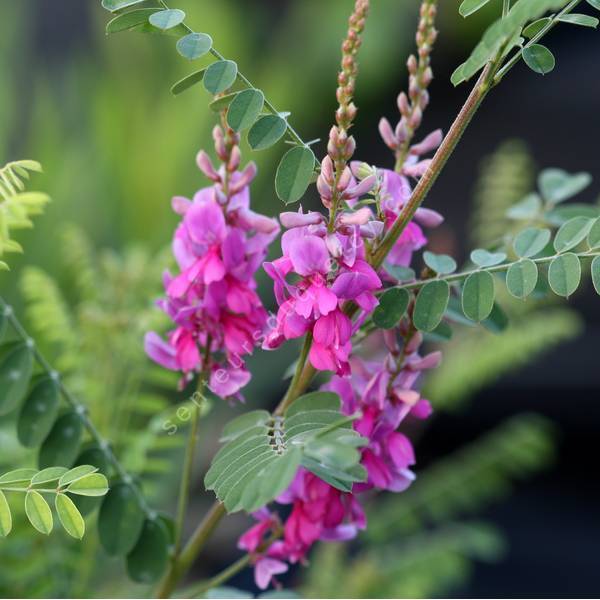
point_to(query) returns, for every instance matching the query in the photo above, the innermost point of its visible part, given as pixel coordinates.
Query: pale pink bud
(403, 104)
(390, 340)
(401, 131)
(324, 188)
(416, 170)
(416, 118)
(248, 174)
(387, 133)
(334, 245)
(411, 63)
(431, 142)
(180, 205)
(299, 219)
(345, 179)
(372, 230)
(431, 361)
(364, 186)
(327, 169)
(350, 147)
(428, 217)
(360, 217)
(234, 159)
(414, 343)
(205, 165)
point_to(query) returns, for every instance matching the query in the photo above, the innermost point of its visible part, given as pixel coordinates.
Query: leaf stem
(74, 403)
(554, 19)
(297, 383)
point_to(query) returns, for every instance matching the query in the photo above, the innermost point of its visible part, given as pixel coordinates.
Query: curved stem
(296, 385)
(220, 578)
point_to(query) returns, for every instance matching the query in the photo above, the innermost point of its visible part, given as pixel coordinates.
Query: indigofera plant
(345, 284)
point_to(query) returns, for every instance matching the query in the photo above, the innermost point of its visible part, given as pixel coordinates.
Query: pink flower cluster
(219, 244)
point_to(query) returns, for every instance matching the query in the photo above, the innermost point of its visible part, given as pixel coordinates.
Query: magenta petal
(264, 570)
(309, 255)
(350, 284)
(159, 351)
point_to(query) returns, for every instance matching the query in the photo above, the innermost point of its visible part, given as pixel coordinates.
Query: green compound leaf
(578, 19)
(69, 516)
(15, 373)
(129, 20)
(539, 59)
(194, 45)
(595, 268)
(114, 5)
(534, 28)
(294, 173)
(244, 109)
(468, 7)
(76, 474)
(220, 76)
(522, 278)
(20, 476)
(38, 512)
(266, 132)
(430, 305)
(149, 559)
(94, 484)
(262, 453)
(531, 241)
(38, 413)
(564, 274)
(440, 263)
(572, 233)
(5, 516)
(478, 296)
(187, 82)
(167, 19)
(483, 258)
(62, 444)
(120, 520)
(593, 238)
(557, 185)
(392, 307)
(47, 475)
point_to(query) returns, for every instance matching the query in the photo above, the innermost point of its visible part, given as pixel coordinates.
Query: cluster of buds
(412, 105)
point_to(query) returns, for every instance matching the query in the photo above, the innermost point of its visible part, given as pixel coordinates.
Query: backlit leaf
(167, 19)
(69, 516)
(5, 516)
(220, 76)
(187, 82)
(76, 474)
(572, 233)
(531, 241)
(48, 475)
(430, 305)
(596, 273)
(17, 476)
(294, 173)
(539, 59)
(440, 263)
(478, 296)
(244, 109)
(578, 19)
(564, 274)
(38, 512)
(534, 28)
(468, 7)
(94, 484)
(194, 45)
(521, 278)
(593, 238)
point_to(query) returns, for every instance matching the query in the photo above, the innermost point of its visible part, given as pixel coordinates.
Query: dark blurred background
(116, 146)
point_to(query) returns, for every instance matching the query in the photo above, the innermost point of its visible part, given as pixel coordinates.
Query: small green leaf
(458, 75)
(521, 278)
(539, 59)
(593, 238)
(534, 28)
(222, 102)
(244, 109)
(294, 173)
(483, 258)
(167, 19)
(17, 476)
(38, 413)
(399, 272)
(440, 263)
(596, 273)
(114, 5)
(69, 516)
(187, 82)
(478, 296)
(572, 233)
(76, 474)
(94, 484)
(561, 214)
(194, 45)
(468, 7)
(392, 307)
(220, 76)
(430, 305)
(96, 457)
(531, 241)
(594, 3)
(149, 559)
(557, 185)
(62, 444)
(564, 274)
(5, 516)
(38, 512)
(129, 20)
(578, 19)
(15, 373)
(267, 131)
(528, 208)
(47, 475)
(120, 520)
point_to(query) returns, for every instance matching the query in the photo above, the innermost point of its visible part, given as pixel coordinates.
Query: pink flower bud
(414, 343)
(416, 118)
(387, 133)
(180, 205)
(416, 170)
(431, 142)
(403, 104)
(401, 131)
(205, 165)
(428, 217)
(324, 188)
(327, 169)
(360, 217)
(299, 219)
(248, 174)
(358, 190)
(345, 179)
(234, 159)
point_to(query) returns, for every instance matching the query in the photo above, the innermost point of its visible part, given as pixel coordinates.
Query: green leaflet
(38, 413)
(62, 444)
(187, 82)
(220, 76)
(531, 241)
(148, 560)
(267, 131)
(430, 305)
(595, 268)
(244, 109)
(468, 7)
(557, 185)
(262, 453)
(440, 263)
(538, 58)
(5, 516)
(522, 278)
(194, 45)
(167, 19)
(15, 373)
(392, 307)
(69, 516)
(38, 512)
(564, 274)
(129, 20)
(572, 233)
(478, 296)
(294, 173)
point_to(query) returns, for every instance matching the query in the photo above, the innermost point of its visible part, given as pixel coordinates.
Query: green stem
(295, 387)
(74, 403)
(220, 578)
(517, 56)
(291, 132)
(495, 269)
(505, 8)
(41, 490)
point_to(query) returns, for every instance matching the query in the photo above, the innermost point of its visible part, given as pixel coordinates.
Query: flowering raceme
(219, 245)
